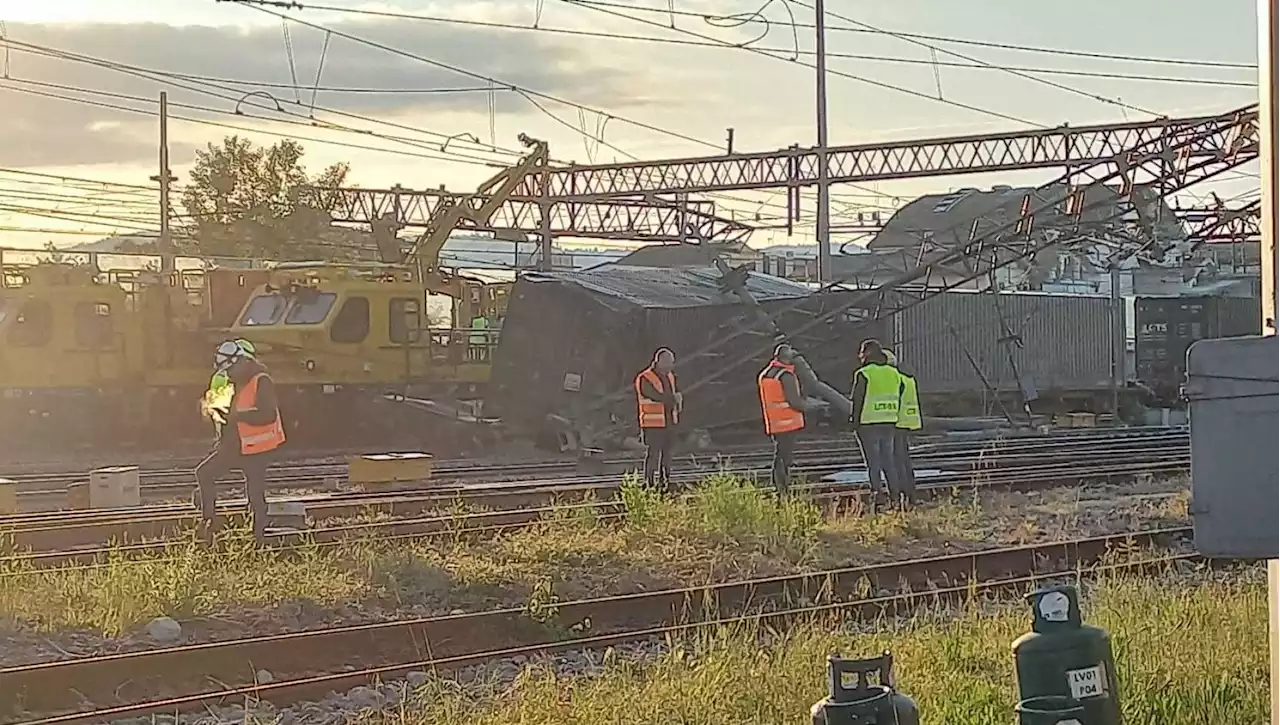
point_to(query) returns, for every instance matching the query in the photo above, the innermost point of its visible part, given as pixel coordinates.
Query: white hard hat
(226, 355)
(890, 357)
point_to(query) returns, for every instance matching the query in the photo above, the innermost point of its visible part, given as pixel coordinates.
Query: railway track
(311, 664)
(43, 491)
(55, 537)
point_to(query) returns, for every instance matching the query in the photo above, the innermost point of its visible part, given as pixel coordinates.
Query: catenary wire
(972, 59)
(1154, 60)
(112, 65)
(257, 5)
(241, 100)
(975, 64)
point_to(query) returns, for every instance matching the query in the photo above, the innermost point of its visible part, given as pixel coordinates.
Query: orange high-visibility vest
(256, 439)
(653, 412)
(779, 416)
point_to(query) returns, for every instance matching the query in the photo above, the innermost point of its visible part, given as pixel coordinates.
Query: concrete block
(287, 515)
(8, 496)
(115, 487)
(389, 471)
(78, 495)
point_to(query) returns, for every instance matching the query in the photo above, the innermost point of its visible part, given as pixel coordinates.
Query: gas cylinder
(1065, 667)
(853, 699)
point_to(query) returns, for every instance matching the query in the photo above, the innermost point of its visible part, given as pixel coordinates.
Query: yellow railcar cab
(363, 324)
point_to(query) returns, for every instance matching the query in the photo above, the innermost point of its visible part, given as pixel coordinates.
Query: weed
(1184, 654)
(725, 528)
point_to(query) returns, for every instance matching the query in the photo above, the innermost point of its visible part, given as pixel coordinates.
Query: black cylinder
(1049, 710)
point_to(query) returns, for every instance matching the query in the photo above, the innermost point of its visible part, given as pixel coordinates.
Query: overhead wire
(233, 127)
(1154, 60)
(603, 35)
(972, 59)
(258, 6)
(455, 157)
(166, 76)
(141, 72)
(62, 179)
(839, 73)
(526, 92)
(242, 100)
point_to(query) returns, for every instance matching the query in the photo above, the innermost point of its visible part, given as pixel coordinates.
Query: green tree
(244, 200)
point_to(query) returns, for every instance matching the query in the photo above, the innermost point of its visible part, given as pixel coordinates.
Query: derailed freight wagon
(973, 351)
(572, 343)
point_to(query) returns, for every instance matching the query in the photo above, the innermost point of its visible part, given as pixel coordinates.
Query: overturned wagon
(573, 342)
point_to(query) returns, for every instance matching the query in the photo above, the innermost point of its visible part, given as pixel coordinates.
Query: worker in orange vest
(658, 404)
(253, 430)
(783, 407)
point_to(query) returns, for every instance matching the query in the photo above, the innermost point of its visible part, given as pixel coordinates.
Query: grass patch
(726, 528)
(1186, 655)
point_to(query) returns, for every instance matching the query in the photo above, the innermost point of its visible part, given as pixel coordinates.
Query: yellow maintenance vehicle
(90, 356)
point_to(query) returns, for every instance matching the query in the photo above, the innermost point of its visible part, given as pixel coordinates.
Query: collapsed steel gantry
(648, 201)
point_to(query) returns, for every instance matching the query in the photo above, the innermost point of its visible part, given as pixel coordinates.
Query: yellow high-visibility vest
(881, 402)
(909, 404)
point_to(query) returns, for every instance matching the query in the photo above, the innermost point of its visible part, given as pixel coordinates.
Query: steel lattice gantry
(1062, 147)
(1226, 224)
(654, 220)
(641, 200)
(1073, 206)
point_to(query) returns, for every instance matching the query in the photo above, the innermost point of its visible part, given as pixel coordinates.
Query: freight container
(970, 343)
(1164, 327)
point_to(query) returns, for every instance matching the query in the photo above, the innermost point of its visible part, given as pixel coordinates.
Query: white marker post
(1269, 116)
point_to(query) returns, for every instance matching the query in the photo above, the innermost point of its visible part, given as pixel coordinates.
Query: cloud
(40, 131)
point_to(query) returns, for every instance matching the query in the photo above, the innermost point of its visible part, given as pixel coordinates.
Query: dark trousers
(221, 462)
(784, 451)
(906, 469)
(876, 441)
(657, 455)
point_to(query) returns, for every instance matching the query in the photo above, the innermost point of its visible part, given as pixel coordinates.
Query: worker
(479, 338)
(875, 415)
(659, 404)
(253, 430)
(783, 406)
(909, 421)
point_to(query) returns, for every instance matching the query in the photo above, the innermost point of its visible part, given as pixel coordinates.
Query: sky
(237, 58)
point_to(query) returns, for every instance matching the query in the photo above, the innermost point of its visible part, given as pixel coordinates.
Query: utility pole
(824, 183)
(545, 240)
(1269, 130)
(165, 243)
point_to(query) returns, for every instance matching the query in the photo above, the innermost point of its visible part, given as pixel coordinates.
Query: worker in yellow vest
(909, 421)
(875, 396)
(253, 430)
(658, 405)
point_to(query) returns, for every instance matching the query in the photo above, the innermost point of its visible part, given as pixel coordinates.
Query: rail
(518, 503)
(392, 649)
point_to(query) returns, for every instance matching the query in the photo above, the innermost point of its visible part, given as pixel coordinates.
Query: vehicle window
(404, 319)
(33, 325)
(264, 310)
(94, 326)
(352, 322)
(310, 309)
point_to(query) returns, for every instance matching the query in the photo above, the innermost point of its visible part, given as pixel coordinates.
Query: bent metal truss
(647, 201)
(1063, 147)
(632, 219)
